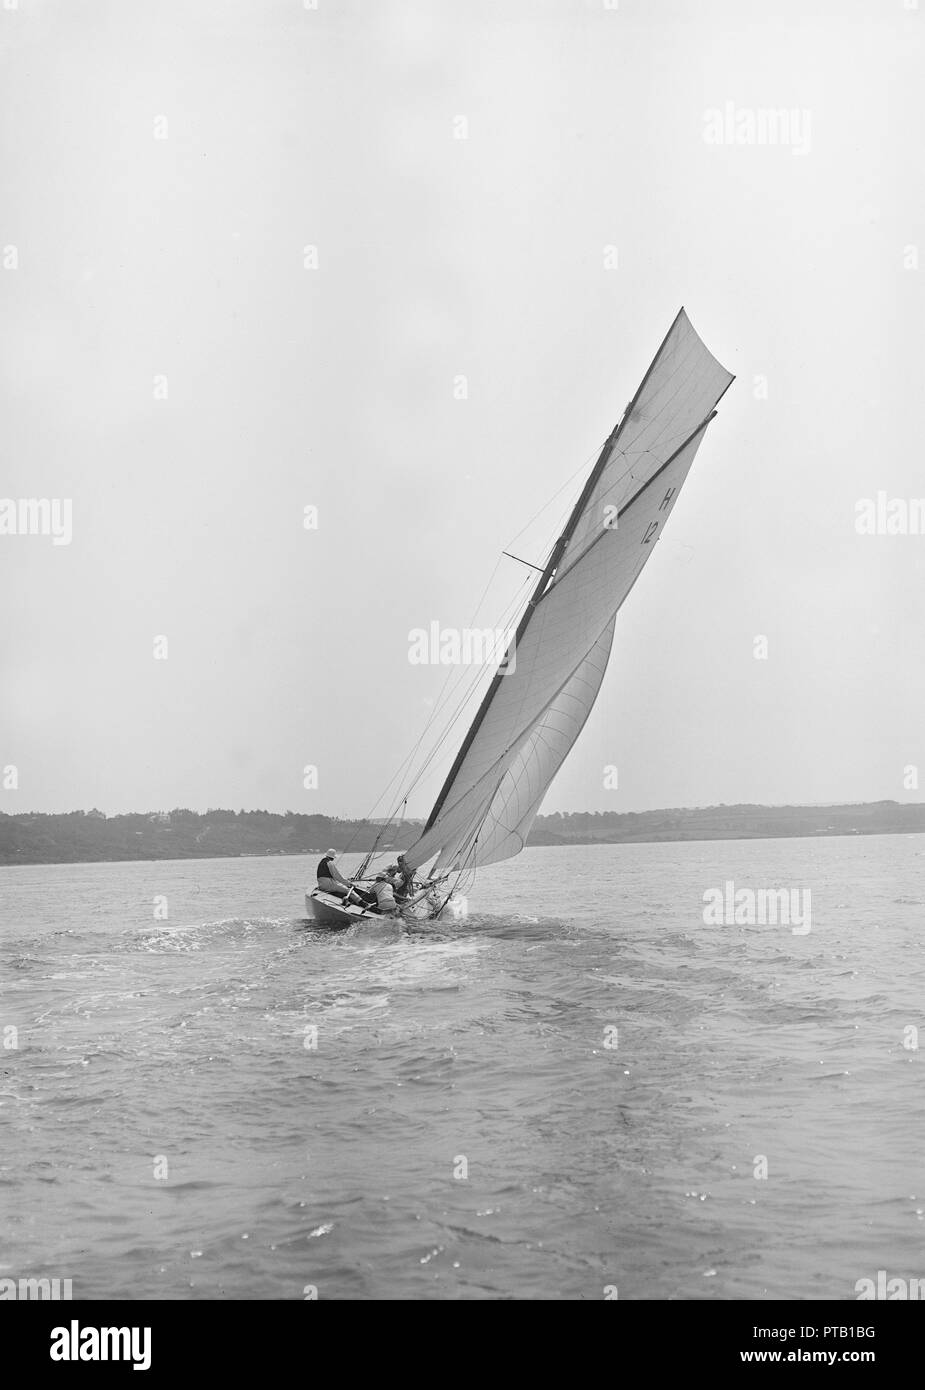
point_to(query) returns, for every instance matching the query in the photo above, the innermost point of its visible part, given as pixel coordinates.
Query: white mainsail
(683, 385)
(537, 705)
(512, 811)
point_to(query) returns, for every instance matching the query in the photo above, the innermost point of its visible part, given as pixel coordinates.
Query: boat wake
(394, 930)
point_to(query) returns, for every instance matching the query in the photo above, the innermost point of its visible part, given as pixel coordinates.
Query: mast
(549, 569)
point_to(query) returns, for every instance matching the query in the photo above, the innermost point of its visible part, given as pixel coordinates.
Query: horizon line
(383, 820)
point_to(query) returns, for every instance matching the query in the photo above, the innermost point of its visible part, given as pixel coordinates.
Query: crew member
(401, 879)
(330, 878)
(385, 897)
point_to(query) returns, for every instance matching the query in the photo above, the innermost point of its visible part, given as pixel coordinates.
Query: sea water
(580, 1090)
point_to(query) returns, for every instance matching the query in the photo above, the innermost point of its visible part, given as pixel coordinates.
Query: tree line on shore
(85, 836)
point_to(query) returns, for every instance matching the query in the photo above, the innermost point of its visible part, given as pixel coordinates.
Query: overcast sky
(139, 257)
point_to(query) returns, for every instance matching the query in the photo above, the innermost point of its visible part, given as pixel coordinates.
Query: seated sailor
(385, 897)
(364, 896)
(330, 878)
(395, 878)
(401, 879)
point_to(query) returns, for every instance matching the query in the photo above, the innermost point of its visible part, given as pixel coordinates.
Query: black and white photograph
(461, 662)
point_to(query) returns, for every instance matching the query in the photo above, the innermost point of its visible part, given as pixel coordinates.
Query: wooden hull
(327, 910)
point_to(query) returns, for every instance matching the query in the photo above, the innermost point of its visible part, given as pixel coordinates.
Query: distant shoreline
(80, 837)
(314, 854)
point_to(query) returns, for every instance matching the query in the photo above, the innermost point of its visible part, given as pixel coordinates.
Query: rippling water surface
(461, 1129)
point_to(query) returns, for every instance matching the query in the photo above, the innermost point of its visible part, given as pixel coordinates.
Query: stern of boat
(328, 910)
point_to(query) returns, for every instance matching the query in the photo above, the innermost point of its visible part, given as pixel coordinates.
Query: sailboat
(541, 694)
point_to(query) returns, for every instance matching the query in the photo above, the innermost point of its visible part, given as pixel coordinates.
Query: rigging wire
(549, 501)
(443, 700)
(450, 688)
(474, 681)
